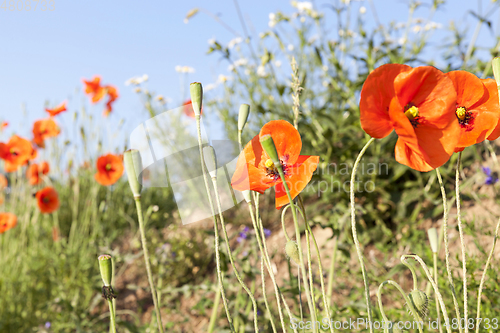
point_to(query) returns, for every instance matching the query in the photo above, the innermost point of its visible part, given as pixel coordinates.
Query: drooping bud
(243, 116)
(433, 239)
(495, 63)
(196, 91)
(420, 302)
(292, 251)
(247, 196)
(210, 160)
(269, 147)
(106, 269)
(133, 166)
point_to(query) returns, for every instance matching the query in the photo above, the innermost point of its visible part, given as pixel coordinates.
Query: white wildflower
(277, 63)
(234, 42)
(362, 10)
(290, 47)
(184, 69)
(261, 71)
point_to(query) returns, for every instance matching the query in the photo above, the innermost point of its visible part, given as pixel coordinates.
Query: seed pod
(270, 148)
(433, 239)
(106, 269)
(196, 91)
(420, 302)
(292, 251)
(243, 116)
(210, 160)
(133, 165)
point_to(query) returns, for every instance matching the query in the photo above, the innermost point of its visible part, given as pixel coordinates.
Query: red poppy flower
(7, 221)
(188, 109)
(58, 109)
(3, 182)
(256, 172)
(34, 171)
(43, 129)
(477, 110)
(15, 153)
(109, 169)
(47, 200)
(3, 125)
(113, 96)
(94, 89)
(419, 104)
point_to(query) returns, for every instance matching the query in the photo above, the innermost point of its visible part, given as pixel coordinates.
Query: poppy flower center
(465, 118)
(412, 113)
(272, 170)
(45, 200)
(13, 152)
(108, 167)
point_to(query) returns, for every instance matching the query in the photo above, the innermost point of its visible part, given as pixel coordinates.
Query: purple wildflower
(267, 232)
(491, 178)
(48, 324)
(243, 235)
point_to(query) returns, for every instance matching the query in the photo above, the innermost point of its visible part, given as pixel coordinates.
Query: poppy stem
(320, 264)
(407, 300)
(230, 255)
(146, 260)
(355, 234)
(266, 260)
(481, 284)
(112, 319)
(299, 243)
(434, 285)
(216, 226)
(446, 247)
(462, 243)
(263, 276)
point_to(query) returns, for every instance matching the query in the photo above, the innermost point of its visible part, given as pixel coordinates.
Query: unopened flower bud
(196, 91)
(243, 116)
(133, 166)
(106, 269)
(433, 239)
(270, 148)
(292, 251)
(420, 302)
(210, 160)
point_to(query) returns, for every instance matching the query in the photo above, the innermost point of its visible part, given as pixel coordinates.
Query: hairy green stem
(146, 260)
(435, 286)
(355, 234)
(446, 248)
(215, 310)
(462, 242)
(230, 255)
(263, 276)
(216, 228)
(297, 236)
(483, 278)
(434, 260)
(112, 318)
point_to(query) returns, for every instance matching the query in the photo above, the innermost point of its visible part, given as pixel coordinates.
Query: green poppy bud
(433, 239)
(243, 116)
(210, 160)
(133, 165)
(196, 91)
(292, 251)
(269, 147)
(106, 269)
(420, 302)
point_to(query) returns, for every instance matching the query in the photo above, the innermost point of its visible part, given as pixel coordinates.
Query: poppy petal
(299, 176)
(376, 95)
(469, 88)
(286, 139)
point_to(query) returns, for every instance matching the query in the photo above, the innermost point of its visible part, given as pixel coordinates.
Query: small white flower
(290, 47)
(277, 63)
(261, 71)
(325, 83)
(401, 41)
(234, 42)
(211, 41)
(247, 72)
(144, 77)
(302, 6)
(417, 28)
(131, 81)
(222, 78)
(210, 86)
(184, 69)
(362, 10)
(302, 19)
(240, 62)
(324, 68)
(341, 32)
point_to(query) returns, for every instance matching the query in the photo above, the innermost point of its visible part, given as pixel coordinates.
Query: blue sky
(45, 54)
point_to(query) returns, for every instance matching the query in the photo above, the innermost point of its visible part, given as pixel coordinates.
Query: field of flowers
(363, 196)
